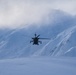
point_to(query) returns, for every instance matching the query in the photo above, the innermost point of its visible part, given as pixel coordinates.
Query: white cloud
(19, 12)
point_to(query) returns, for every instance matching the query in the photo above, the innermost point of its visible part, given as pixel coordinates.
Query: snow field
(38, 66)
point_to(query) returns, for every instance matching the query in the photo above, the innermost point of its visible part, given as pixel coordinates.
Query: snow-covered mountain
(59, 26)
(63, 44)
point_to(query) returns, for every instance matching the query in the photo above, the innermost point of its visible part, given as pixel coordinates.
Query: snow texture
(38, 66)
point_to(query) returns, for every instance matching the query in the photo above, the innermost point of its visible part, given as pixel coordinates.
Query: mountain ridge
(16, 42)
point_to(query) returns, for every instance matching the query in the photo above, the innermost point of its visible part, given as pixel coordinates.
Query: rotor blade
(45, 38)
(38, 35)
(32, 38)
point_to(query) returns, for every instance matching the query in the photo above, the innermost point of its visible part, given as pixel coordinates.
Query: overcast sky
(19, 12)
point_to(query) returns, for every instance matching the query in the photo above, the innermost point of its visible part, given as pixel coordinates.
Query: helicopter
(36, 41)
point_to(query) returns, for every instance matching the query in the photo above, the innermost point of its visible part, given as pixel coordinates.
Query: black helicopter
(36, 41)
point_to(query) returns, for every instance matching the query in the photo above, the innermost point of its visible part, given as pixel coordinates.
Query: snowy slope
(62, 44)
(60, 27)
(38, 66)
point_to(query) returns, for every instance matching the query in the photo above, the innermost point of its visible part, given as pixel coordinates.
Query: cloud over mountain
(14, 13)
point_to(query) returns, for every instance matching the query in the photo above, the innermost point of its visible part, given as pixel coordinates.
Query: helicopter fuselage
(36, 41)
